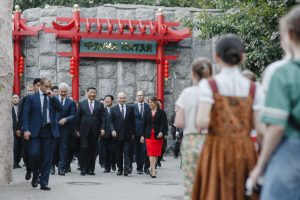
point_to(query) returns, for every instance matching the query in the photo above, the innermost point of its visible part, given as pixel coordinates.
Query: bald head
(122, 98)
(140, 96)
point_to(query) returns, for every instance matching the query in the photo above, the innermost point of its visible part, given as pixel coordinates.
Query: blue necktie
(45, 107)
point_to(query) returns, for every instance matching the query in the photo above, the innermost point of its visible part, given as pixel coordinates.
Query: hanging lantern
(72, 66)
(21, 66)
(166, 70)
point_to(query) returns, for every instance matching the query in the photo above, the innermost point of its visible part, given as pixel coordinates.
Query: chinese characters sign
(118, 46)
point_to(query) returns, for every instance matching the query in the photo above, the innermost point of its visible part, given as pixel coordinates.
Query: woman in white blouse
(226, 108)
(186, 107)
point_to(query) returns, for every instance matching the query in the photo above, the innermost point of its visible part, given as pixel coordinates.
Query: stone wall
(111, 76)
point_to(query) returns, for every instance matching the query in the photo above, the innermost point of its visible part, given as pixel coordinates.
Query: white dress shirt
(64, 100)
(16, 112)
(42, 105)
(124, 107)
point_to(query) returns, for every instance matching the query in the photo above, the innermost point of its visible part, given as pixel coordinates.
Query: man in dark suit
(140, 107)
(40, 126)
(16, 131)
(66, 125)
(90, 125)
(107, 140)
(123, 130)
(30, 90)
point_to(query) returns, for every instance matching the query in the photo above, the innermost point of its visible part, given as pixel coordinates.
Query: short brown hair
(154, 100)
(202, 68)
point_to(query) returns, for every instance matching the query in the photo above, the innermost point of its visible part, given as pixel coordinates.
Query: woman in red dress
(156, 127)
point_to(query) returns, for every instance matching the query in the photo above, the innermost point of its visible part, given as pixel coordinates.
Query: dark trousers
(41, 153)
(163, 150)
(109, 153)
(18, 143)
(100, 152)
(63, 150)
(140, 151)
(26, 145)
(55, 157)
(72, 150)
(124, 148)
(88, 146)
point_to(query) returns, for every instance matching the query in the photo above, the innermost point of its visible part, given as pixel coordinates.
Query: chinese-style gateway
(105, 38)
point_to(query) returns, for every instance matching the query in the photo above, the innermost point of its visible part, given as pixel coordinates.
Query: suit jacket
(159, 123)
(139, 118)
(21, 107)
(87, 122)
(124, 127)
(32, 114)
(107, 126)
(69, 113)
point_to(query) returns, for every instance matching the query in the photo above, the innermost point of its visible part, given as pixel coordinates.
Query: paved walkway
(167, 186)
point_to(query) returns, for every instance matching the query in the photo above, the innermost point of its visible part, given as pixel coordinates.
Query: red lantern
(21, 66)
(166, 70)
(72, 66)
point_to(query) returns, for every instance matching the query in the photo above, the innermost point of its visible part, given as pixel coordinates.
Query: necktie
(62, 101)
(45, 107)
(91, 107)
(122, 110)
(108, 110)
(142, 109)
(16, 112)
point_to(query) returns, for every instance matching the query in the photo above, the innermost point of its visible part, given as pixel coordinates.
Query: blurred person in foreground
(186, 107)
(228, 105)
(279, 159)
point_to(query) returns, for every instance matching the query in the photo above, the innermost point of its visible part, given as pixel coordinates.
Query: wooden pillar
(75, 53)
(160, 59)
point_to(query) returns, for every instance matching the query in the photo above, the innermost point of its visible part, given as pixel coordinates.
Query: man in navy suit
(66, 125)
(140, 107)
(108, 142)
(39, 124)
(30, 90)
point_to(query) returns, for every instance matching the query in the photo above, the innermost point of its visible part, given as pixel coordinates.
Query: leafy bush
(256, 21)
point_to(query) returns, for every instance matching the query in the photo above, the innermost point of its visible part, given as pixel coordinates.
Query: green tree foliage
(256, 21)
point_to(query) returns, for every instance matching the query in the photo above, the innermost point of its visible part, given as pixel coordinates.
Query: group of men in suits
(44, 120)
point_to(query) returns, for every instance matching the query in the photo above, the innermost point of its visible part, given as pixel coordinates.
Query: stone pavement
(167, 186)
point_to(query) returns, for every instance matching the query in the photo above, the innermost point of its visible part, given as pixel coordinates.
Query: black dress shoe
(120, 173)
(34, 182)
(52, 171)
(61, 172)
(82, 173)
(45, 188)
(16, 166)
(147, 171)
(158, 164)
(114, 168)
(91, 173)
(28, 176)
(140, 171)
(126, 172)
(106, 171)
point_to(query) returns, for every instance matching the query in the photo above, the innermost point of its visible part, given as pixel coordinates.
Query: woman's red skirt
(154, 146)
